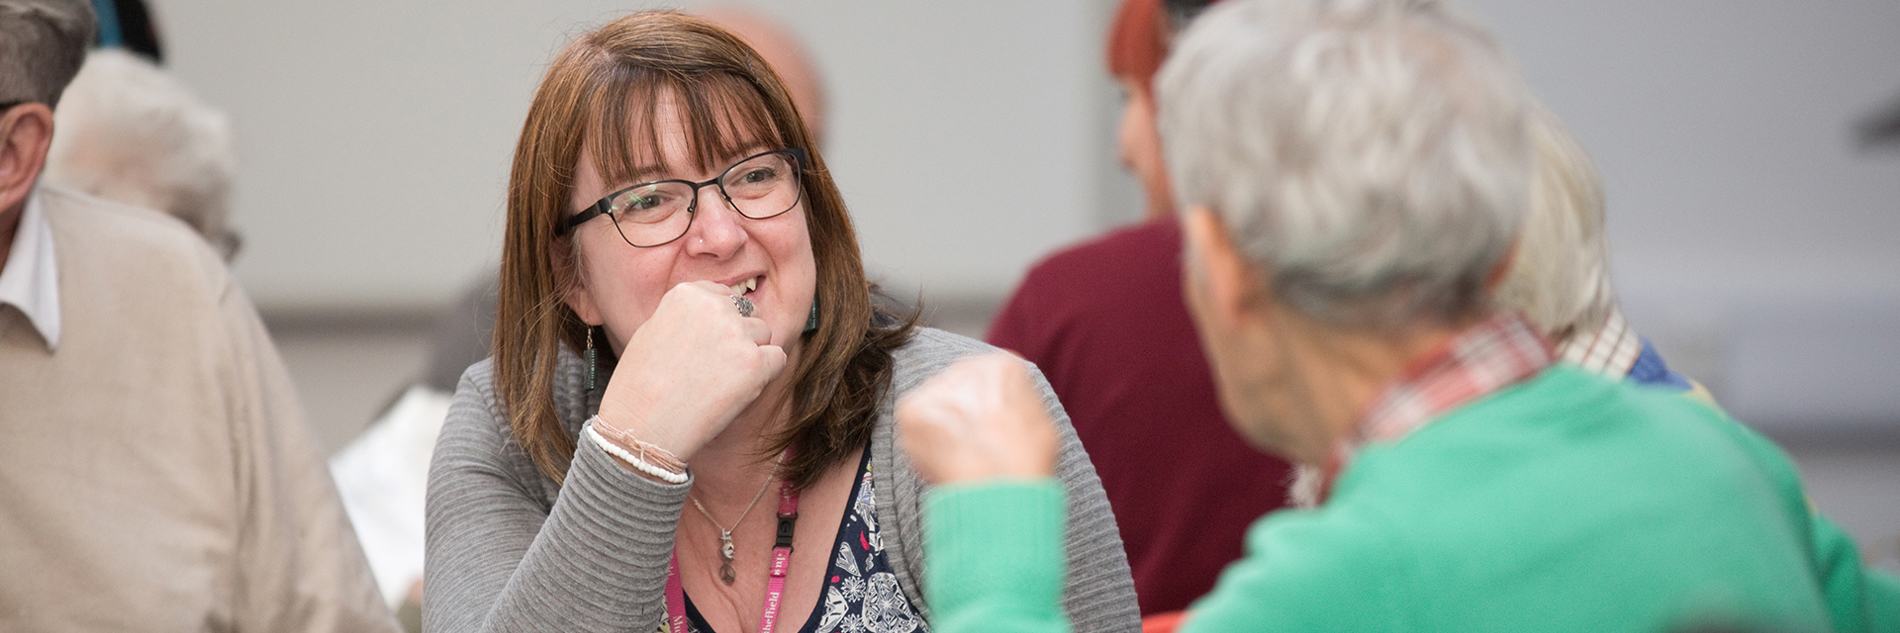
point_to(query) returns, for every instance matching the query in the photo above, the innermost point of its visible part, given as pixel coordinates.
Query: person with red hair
(1124, 360)
(1137, 42)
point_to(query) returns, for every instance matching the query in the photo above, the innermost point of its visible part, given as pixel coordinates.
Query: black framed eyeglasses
(8, 105)
(650, 214)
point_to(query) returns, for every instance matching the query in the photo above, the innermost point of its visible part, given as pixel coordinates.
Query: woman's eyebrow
(750, 149)
(646, 173)
(635, 176)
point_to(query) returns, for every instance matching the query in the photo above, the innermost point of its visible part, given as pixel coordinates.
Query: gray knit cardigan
(509, 550)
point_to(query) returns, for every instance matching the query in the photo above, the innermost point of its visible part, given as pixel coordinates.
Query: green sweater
(1564, 503)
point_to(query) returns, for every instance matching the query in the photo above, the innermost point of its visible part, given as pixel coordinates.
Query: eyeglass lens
(655, 213)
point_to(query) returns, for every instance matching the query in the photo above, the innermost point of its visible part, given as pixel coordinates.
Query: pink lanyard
(774, 588)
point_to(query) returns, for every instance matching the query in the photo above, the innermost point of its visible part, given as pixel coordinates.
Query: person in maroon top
(1105, 322)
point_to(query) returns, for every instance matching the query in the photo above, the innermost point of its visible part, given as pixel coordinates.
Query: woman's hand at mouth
(689, 370)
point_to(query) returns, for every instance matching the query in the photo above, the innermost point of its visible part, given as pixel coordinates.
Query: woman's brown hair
(600, 95)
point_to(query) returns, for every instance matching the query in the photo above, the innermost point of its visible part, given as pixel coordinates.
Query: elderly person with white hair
(129, 132)
(1560, 280)
(1560, 276)
(1353, 177)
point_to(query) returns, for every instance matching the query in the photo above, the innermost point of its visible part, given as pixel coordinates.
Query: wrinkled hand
(690, 369)
(979, 419)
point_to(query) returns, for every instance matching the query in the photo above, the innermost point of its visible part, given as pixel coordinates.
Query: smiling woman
(714, 339)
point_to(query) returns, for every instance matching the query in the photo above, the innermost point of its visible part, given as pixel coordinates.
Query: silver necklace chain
(726, 572)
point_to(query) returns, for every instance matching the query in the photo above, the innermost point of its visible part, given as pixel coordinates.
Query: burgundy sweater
(1106, 323)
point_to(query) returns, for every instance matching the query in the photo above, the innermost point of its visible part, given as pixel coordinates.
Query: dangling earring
(593, 362)
(811, 322)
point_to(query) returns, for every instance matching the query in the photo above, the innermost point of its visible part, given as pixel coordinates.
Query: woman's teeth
(746, 286)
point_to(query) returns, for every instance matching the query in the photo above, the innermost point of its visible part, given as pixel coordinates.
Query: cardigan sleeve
(1098, 595)
(1100, 592)
(499, 558)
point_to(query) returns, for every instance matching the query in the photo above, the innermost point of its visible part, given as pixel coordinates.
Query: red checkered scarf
(1482, 359)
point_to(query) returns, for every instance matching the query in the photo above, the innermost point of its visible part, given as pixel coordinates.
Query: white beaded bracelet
(634, 460)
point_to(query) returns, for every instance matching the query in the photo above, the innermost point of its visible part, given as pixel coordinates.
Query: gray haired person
(1353, 176)
(1560, 280)
(157, 474)
(131, 132)
(42, 45)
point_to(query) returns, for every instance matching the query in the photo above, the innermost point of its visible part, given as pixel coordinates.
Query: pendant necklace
(676, 619)
(726, 573)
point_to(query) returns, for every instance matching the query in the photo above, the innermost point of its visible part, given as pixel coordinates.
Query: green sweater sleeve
(1837, 567)
(1883, 601)
(1854, 597)
(1312, 571)
(995, 557)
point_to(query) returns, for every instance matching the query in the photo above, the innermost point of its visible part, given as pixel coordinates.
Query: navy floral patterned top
(861, 593)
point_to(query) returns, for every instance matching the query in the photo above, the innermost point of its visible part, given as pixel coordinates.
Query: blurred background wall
(1753, 239)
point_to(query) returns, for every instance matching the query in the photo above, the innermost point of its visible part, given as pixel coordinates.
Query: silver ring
(745, 305)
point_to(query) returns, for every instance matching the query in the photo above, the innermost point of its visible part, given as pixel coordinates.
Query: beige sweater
(155, 471)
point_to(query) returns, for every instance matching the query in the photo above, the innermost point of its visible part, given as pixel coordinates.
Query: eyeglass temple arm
(567, 226)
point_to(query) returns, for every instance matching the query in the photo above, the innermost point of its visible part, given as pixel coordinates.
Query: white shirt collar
(30, 280)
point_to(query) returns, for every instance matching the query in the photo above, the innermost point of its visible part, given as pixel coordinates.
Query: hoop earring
(811, 322)
(593, 362)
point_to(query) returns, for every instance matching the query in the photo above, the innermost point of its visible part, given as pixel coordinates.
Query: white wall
(1724, 133)
(1750, 237)
(968, 137)
(967, 134)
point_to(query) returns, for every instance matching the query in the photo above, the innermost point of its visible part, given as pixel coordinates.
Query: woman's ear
(578, 298)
